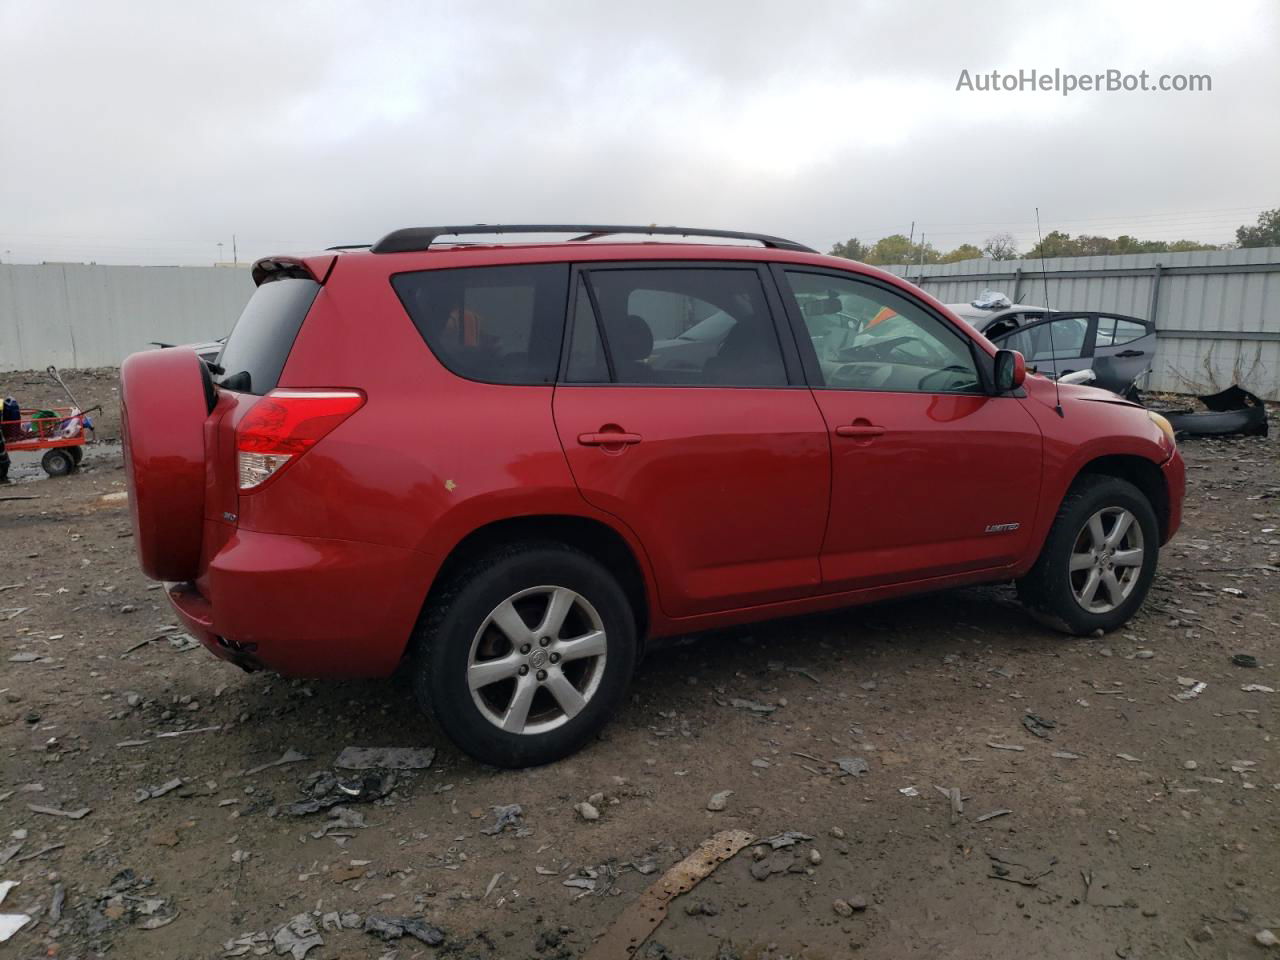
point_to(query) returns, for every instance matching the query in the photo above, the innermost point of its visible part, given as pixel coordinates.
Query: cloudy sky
(135, 132)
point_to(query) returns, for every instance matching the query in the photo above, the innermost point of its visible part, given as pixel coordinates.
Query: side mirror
(1011, 370)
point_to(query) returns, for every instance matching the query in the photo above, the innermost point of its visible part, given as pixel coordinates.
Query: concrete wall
(83, 315)
(1217, 311)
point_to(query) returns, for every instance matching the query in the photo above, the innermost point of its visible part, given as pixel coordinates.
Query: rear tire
(1098, 561)
(505, 691)
(57, 462)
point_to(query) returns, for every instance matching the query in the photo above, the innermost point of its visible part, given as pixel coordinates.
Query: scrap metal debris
(150, 793)
(123, 901)
(79, 814)
(342, 820)
(385, 758)
(1003, 811)
(1026, 869)
(290, 756)
(1038, 726)
(10, 923)
(1230, 412)
(507, 816)
(789, 838)
(1005, 746)
(752, 706)
(393, 928)
(1191, 689)
(643, 916)
(297, 937)
(325, 791)
(852, 766)
(952, 795)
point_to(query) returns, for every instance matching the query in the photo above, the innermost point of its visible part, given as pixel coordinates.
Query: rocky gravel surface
(938, 777)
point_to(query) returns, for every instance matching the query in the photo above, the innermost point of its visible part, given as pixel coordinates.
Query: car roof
(974, 315)
(360, 259)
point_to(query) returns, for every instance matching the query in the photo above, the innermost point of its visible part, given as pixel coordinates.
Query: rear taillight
(284, 425)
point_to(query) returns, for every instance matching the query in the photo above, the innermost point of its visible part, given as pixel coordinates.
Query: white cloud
(147, 133)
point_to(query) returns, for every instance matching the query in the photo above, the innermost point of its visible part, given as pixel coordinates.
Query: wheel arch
(593, 537)
(1142, 473)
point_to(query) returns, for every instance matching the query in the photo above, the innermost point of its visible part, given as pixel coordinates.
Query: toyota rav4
(468, 460)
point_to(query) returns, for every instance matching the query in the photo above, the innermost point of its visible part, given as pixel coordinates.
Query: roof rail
(421, 238)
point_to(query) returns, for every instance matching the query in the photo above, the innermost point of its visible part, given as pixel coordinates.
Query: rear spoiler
(316, 267)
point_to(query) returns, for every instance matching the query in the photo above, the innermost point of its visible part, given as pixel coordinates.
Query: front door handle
(608, 439)
(1131, 353)
(859, 428)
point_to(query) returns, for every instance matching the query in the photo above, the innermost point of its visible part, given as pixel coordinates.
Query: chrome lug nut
(523, 670)
(542, 674)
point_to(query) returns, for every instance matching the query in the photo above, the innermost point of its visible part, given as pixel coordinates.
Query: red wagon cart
(59, 431)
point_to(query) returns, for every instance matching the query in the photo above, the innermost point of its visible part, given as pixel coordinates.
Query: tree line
(1002, 246)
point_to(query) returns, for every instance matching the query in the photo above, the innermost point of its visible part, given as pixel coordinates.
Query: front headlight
(1165, 426)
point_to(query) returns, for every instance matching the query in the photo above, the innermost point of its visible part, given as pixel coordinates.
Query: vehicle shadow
(783, 658)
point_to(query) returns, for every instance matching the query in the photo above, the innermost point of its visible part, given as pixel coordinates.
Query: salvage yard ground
(968, 784)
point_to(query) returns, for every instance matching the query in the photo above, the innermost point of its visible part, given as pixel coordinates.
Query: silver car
(1119, 349)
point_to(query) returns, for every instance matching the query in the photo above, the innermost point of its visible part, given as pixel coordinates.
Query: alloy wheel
(1106, 560)
(537, 660)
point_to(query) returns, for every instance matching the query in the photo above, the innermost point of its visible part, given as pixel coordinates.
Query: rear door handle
(608, 439)
(859, 430)
(1131, 353)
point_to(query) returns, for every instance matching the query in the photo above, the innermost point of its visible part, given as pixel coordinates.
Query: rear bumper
(1175, 479)
(303, 606)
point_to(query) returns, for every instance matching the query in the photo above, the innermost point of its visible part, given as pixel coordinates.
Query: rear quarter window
(259, 345)
(492, 324)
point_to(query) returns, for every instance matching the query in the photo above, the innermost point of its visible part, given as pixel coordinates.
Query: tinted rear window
(260, 342)
(494, 324)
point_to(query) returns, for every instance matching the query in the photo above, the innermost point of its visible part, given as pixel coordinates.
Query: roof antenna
(1044, 273)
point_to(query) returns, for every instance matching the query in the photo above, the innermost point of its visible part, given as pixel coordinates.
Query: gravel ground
(1141, 816)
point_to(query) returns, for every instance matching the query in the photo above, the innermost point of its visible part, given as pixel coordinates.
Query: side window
(686, 327)
(869, 338)
(1039, 343)
(586, 355)
(494, 324)
(1106, 334)
(1127, 330)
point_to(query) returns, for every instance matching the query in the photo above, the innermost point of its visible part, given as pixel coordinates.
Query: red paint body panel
(915, 501)
(162, 407)
(727, 488)
(737, 504)
(1175, 478)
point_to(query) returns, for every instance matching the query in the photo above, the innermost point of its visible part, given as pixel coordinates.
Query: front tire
(1098, 561)
(524, 656)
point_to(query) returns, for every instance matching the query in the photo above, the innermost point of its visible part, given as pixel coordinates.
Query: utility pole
(235, 260)
(911, 238)
(219, 251)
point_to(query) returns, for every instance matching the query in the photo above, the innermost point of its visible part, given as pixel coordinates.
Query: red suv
(505, 466)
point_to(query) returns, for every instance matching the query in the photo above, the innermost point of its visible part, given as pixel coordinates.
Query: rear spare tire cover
(164, 402)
